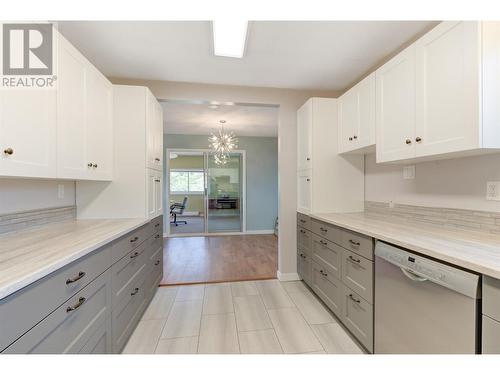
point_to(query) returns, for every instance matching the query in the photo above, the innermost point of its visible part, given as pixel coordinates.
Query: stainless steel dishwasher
(424, 306)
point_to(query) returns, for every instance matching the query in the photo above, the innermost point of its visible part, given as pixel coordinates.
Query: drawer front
(331, 293)
(357, 243)
(328, 231)
(327, 254)
(304, 238)
(124, 270)
(357, 274)
(491, 297)
(304, 267)
(358, 318)
(156, 269)
(127, 312)
(155, 243)
(100, 342)
(129, 242)
(303, 221)
(155, 226)
(47, 294)
(72, 325)
(491, 336)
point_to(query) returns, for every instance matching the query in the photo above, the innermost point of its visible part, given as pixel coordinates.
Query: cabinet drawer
(100, 341)
(155, 272)
(155, 226)
(330, 290)
(357, 274)
(328, 231)
(124, 270)
(126, 313)
(47, 294)
(327, 254)
(358, 318)
(70, 327)
(491, 336)
(128, 243)
(303, 221)
(491, 297)
(357, 243)
(303, 238)
(304, 267)
(155, 243)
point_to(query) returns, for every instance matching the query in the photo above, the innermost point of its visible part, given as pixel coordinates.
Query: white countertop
(29, 255)
(476, 251)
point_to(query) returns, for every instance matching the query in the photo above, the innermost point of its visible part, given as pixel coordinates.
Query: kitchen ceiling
(328, 55)
(191, 118)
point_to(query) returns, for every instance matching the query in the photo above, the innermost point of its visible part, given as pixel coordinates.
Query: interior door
(448, 94)
(395, 112)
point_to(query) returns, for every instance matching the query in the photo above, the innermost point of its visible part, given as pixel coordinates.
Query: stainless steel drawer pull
(323, 242)
(302, 231)
(157, 262)
(136, 290)
(323, 273)
(354, 259)
(80, 302)
(76, 278)
(354, 299)
(157, 225)
(157, 236)
(157, 159)
(354, 243)
(94, 165)
(134, 239)
(302, 221)
(302, 256)
(90, 165)
(8, 151)
(134, 255)
(323, 229)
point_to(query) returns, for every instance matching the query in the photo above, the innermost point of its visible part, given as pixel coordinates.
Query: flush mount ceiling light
(222, 144)
(229, 38)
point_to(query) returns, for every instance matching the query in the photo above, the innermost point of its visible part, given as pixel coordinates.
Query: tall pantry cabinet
(137, 187)
(326, 181)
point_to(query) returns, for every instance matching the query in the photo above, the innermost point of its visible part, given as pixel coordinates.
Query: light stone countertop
(27, 256)
(473, 250)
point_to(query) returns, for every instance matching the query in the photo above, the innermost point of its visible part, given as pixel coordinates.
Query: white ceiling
(189, 118)
(288, 54)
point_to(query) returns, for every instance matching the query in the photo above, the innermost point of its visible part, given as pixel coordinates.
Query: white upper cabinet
(154, 132)
(439, 98)
(357, 117)
(396, 107)
(84, 118)
(304, 137)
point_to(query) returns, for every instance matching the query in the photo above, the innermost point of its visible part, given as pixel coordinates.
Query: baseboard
(248, 232)
(292, 276)
(263, 231)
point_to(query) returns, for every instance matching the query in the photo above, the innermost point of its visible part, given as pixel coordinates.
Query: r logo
(27, 49)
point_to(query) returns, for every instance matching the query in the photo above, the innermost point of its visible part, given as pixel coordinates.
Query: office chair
(178, 209)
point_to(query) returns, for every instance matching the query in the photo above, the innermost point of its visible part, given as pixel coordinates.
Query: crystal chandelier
(222, 144)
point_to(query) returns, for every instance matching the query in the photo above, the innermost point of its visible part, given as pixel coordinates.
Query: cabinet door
(364, 135)
(304, 136)
(72, 158)
(158, 193)
(99, 124)
(304, 191)
(150, 130)
(28, 133)
(395, 112)
(448, 88)
(348, 114)
(158, 137)
(151, 194)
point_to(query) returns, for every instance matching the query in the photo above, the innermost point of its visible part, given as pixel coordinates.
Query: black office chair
(178, 209)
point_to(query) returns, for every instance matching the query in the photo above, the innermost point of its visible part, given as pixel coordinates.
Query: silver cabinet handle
(350, 138)
(418, 139)
(323, 229)
(354, 299)
(323, 242)
(302, 221)
(136, 290)
(8, 151)
(302, 256)
(408, 141)
(323, 273)
(90, 165)
(308, 159)
(134, 255)
(157, 225)
(157, 159)
(157, 262)
(76, 278)
(302, 231)
(80, 302)
(157, 236)
(94, 165)
(352, 242)
(134, 239)
(308, 179)
(354, 137)
(354, 259)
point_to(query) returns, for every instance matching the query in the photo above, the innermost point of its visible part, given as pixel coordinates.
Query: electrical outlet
(493, 190)
(409, 172)
(60, 191)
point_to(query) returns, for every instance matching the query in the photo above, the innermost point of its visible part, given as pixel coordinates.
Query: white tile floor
(249, 317)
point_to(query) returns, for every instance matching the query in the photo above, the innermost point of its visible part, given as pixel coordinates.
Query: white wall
(30, 194)
(456, 183)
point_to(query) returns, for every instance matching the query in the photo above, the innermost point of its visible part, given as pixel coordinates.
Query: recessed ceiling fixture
(230, 38)
(222, 144)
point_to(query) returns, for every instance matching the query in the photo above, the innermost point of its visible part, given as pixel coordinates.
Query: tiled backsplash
(483, 221)
(16, 221)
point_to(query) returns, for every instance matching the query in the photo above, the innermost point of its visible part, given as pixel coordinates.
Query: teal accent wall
(261, 175)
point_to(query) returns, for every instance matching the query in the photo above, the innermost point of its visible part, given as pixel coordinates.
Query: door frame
(205, 197)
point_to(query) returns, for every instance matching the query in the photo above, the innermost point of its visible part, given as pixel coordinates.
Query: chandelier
(222, 144)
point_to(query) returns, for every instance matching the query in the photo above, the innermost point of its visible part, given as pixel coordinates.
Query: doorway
(205, 197)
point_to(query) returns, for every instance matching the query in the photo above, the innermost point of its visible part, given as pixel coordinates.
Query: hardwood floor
(190, 260)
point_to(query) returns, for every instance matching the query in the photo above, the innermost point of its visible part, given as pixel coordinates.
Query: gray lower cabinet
(304, 266)
(490, 336)
(90, 306)
(329, 289)
(358, 317)
(491, 316)
(357, 274)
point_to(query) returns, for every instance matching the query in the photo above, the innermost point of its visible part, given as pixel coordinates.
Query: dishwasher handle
(412, 275)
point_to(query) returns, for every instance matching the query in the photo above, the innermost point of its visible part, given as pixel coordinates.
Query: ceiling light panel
(229, 37)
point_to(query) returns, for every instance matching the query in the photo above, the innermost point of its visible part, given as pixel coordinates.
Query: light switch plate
(60, 191)
(493, 190)
(409, 172)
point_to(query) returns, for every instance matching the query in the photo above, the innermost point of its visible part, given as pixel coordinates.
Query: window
(186, 181)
